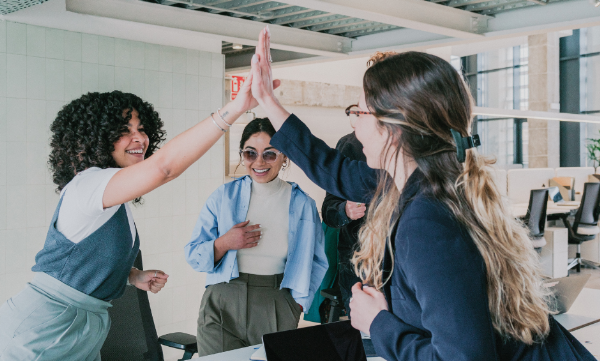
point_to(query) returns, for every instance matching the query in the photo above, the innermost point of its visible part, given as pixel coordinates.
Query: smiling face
(372, 136)
(259, 170)
(131, 147)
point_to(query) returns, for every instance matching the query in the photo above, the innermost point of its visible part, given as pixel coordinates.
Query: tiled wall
(42, 69)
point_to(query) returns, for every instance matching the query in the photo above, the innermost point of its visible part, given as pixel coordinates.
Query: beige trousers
(237, 314)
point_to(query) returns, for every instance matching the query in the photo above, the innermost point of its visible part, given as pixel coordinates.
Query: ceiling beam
(530, 114)
(413, 14)
(197, 6)
(222, 27)
(304, 16)
(290, 11)
(555, 16)
(53, 14)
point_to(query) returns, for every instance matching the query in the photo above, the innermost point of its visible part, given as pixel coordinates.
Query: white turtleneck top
(269, 207)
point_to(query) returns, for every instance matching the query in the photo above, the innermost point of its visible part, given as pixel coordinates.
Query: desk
(243, 354)
(584, 312)
(590, 338)
(555, 254)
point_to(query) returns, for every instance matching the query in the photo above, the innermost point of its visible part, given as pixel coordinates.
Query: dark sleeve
(333, 211)
(345, 178)
(448, 278)
(333, 208)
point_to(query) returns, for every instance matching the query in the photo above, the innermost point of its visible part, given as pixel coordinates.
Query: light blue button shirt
(306, 262)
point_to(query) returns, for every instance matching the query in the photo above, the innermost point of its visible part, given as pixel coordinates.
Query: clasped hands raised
(259, 85)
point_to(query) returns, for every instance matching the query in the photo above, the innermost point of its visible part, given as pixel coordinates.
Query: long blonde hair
(418, 98)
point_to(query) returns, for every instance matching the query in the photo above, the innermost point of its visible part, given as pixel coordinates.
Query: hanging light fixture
(238, 46)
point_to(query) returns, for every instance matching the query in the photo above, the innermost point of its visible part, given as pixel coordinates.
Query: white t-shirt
(82, 212)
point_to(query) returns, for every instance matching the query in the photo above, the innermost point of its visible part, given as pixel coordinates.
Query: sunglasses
(250, 155)
(354, 113)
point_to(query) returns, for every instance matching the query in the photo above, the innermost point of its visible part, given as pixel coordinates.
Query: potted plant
(593, 148)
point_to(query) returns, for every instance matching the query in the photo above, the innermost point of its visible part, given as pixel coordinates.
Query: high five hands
(259, 85)
(247, 96)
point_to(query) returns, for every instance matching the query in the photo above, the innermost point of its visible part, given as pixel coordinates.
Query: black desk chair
(535, 219)
(332, 312)
(132, 334)
(585, 226)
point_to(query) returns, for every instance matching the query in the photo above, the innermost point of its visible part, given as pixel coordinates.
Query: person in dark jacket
(448, 273)
(348, 216)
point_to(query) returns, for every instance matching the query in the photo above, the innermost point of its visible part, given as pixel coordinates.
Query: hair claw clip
(464, 143)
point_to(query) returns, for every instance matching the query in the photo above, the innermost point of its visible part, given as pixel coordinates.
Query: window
(579, 93)
(499, 79)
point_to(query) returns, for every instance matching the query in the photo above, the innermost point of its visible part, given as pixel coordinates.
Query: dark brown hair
(417, 99)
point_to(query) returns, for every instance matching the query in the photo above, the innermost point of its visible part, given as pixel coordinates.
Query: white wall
(41, 69)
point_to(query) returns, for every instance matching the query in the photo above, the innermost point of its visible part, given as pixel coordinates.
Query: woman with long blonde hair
(448, 273)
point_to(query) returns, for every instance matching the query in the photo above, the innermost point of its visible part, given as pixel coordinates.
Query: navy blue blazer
(437, 297)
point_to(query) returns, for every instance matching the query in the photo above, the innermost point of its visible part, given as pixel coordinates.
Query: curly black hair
(85, 131)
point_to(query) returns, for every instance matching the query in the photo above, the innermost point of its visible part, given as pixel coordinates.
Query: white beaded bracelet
(128, 283)
(218, 126)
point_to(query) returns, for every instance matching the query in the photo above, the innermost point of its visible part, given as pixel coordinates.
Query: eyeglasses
(354, 113)
(250, 155)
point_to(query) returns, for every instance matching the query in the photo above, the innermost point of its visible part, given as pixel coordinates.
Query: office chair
(585, 225)
(332, 312)
(132, 334)
(535, 219)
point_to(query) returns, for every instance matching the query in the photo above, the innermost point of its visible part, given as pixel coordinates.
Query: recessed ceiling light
(238, 46)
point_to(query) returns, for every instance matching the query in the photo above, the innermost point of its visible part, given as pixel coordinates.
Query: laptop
(566, 290)
(336, 341)
(556, 197)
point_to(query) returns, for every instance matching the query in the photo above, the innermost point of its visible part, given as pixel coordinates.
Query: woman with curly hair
(104, 154)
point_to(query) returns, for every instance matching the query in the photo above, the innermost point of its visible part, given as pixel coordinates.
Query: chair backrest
(587, 214)
(581, 176)
(132, 334)
(535, 219)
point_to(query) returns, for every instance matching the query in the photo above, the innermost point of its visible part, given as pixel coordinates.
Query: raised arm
(177, 155)
(330, 170)
(168, 162)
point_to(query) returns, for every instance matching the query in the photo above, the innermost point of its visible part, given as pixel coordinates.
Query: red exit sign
(236, 85)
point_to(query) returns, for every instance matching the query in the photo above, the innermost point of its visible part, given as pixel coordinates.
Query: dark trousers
(346, 277)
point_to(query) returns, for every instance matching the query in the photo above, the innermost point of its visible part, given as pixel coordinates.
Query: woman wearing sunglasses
(260, 240)
(448, 272)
